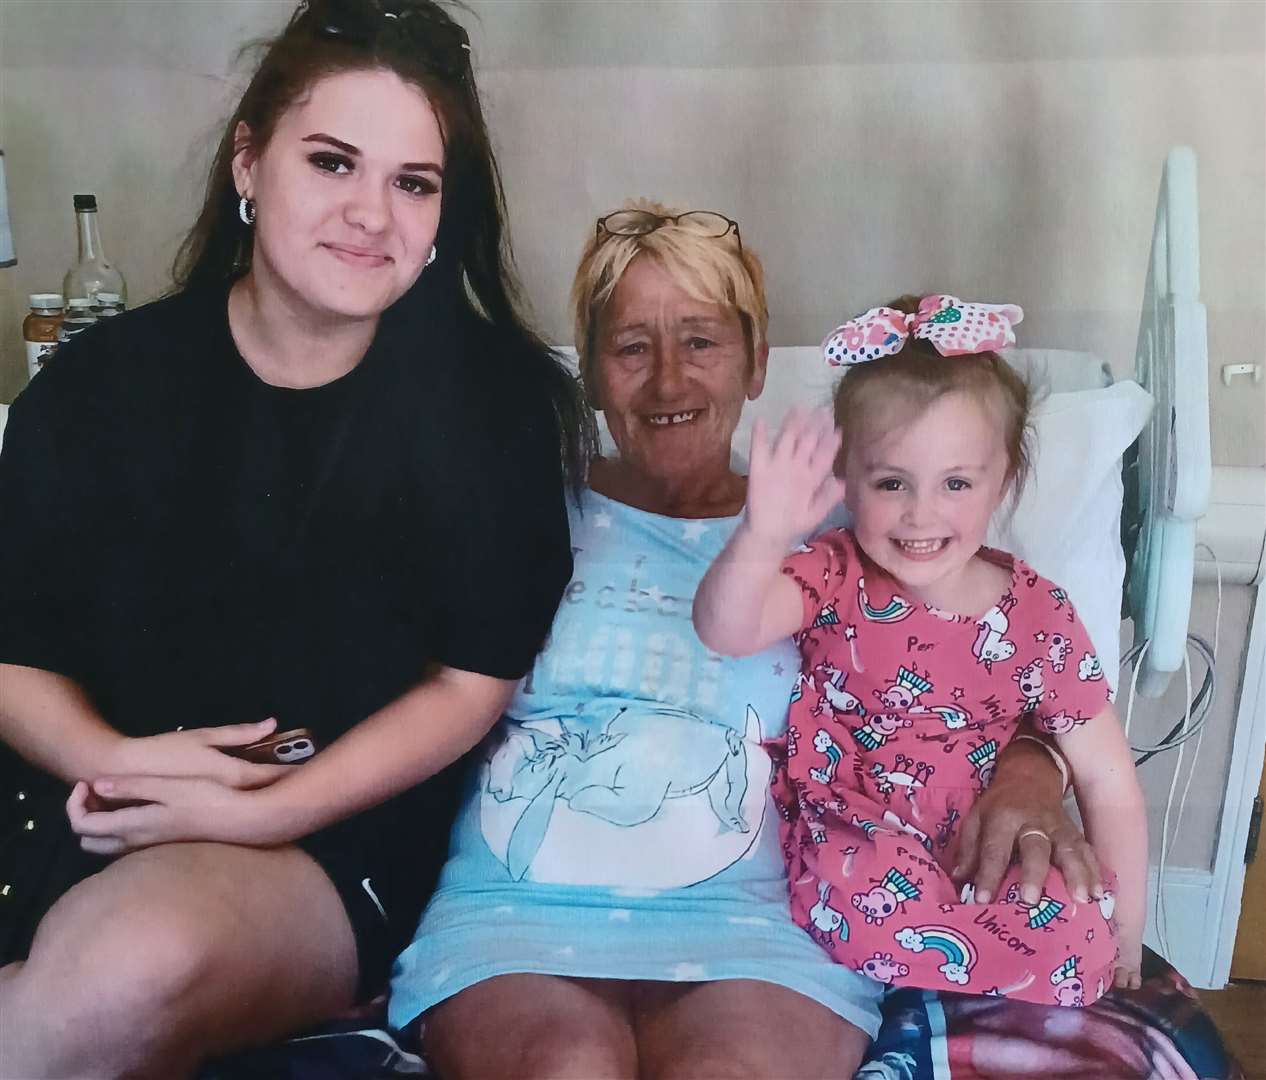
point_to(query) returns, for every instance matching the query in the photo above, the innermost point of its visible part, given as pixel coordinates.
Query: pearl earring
(431, 258)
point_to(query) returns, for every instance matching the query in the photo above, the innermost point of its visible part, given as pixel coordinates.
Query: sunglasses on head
(414, 25)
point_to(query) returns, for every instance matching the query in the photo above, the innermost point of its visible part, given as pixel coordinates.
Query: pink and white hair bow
(953, 327)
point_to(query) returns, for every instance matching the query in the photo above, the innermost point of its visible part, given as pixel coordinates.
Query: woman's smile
(675, 419)
(359, 257)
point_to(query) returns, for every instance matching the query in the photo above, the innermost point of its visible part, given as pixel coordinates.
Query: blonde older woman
(615, 902)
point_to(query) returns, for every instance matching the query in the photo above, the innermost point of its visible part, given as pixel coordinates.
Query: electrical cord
(1197, 713)
(1192, 725)
(1198, 708)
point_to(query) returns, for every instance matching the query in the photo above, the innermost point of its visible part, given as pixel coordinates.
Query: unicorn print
(833, 694)
(945, 828)
(984, 759)
(619, 773)
(868, 827)
(952, 716)
(1039, 915)
(850, 855)
(827, 617)
(826, 920)
(991, 645)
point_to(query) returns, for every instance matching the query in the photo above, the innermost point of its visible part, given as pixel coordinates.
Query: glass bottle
(93, 273)
(40, 329)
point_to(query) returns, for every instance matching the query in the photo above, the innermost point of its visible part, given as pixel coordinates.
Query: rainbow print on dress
(959, 953)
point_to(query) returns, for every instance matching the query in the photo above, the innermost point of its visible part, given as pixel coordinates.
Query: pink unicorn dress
(896, 722)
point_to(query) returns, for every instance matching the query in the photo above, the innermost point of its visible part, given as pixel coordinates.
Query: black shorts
(383, 863)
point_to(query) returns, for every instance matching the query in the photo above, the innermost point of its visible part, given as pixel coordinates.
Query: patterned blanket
(1156, 1033)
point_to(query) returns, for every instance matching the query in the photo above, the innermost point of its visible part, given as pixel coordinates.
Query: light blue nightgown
(620, 825)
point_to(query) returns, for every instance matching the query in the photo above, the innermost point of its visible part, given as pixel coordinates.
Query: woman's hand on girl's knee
(1013, 818)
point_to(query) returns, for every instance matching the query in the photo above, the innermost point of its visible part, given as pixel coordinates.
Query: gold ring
(1033, 832)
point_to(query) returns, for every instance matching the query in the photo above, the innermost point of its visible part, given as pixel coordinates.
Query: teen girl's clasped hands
(922, 651)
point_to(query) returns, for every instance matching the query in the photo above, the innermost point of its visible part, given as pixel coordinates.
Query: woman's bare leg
(534, 1027)
(741, 1028)
(172, 955)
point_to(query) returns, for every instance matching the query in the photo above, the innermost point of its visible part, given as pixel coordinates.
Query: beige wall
(992, 148)
(1001, 150)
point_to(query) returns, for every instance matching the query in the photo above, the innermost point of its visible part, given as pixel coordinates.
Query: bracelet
(1056, 756)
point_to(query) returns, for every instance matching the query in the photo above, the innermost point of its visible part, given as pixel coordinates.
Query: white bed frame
(1174, 480)
(1173, 464)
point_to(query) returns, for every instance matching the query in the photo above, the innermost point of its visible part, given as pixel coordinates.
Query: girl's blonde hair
(884, 393)
(715, 270)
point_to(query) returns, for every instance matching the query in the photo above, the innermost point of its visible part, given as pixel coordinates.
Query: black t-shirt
(195, 547)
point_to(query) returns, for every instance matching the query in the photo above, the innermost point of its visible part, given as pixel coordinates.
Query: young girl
(921, 651)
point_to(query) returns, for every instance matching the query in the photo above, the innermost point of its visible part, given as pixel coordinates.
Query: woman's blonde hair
(715, 270)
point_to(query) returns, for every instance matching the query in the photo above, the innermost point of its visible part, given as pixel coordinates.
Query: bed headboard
(1169, 491)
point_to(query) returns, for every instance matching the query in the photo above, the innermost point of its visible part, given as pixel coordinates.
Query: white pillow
(1059, 371)
(1067, 523)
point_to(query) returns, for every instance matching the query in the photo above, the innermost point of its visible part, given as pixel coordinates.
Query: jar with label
(40, 329)
(79, 316)
(108, 304)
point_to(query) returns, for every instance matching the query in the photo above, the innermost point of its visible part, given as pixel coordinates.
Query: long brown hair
(474, 256)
